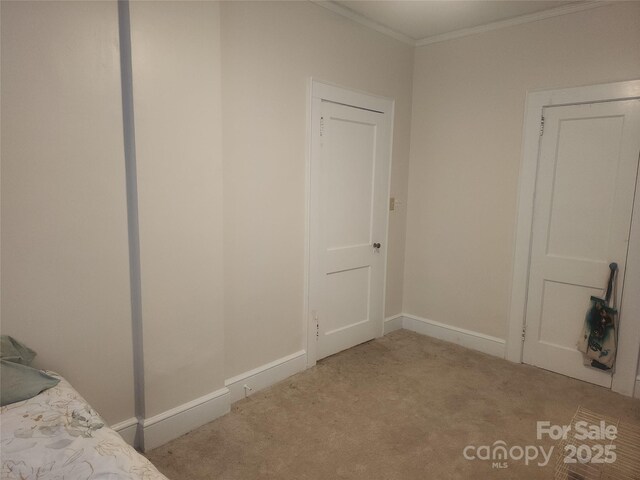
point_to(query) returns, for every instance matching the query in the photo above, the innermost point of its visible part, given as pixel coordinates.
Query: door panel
(351, 169)
(566, 301)
(349, 294)
(584, 187)
(349, 161)
(582, 215)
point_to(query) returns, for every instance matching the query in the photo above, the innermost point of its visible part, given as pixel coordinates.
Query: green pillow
(19, 382)
(14, 351)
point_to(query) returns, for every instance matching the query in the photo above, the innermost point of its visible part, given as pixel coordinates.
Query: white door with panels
(350, 167)
(585, 187)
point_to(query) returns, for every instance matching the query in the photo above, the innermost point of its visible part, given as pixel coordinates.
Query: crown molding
(356, 17)
(464, 32)
(532, 17)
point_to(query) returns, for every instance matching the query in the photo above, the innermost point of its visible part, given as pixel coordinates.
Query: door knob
(376, 245)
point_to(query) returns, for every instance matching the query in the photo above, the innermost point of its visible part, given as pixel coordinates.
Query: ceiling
(419, 20)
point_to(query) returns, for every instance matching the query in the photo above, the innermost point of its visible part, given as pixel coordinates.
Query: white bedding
(57, 435)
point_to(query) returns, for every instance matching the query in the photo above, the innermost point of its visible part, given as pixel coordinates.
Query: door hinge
(542, 125)
(524, 332)
(321, 126)
(315, 319)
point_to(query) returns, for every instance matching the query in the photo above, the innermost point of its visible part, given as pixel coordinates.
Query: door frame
(317, 91)
(624, 378)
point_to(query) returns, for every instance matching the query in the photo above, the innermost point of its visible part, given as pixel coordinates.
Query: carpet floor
(404, 406)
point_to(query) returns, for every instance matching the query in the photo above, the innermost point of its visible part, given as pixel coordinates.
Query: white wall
(65, 268)
(65, 264)
(65, 257)
(176, 91)
(65, 261)
(468, 101)
(270, 50)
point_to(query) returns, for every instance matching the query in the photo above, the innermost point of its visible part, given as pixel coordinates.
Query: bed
(57, 435)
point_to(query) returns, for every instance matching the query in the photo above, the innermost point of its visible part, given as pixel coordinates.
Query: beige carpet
(400, 407)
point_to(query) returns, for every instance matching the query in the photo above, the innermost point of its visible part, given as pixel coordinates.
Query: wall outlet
(392, 204)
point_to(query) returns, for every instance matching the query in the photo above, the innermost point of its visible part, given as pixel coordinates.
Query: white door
(585, 186)
(348, 230)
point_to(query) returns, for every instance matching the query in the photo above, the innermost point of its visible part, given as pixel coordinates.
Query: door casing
(318, 91)
(624, 378)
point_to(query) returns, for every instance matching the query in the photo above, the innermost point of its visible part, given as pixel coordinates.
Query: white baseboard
(265, 375)
(466, 338)
(173, 423)
(166, 426)
(162, 428)
(392, 324)
(127, 430)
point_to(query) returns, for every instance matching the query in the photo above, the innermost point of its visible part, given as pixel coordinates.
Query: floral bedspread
(57, 435)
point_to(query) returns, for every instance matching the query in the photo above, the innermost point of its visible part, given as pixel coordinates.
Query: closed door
(350, 185)
(585, 186)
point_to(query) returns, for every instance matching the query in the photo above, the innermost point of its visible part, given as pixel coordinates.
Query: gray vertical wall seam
(132, 207)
